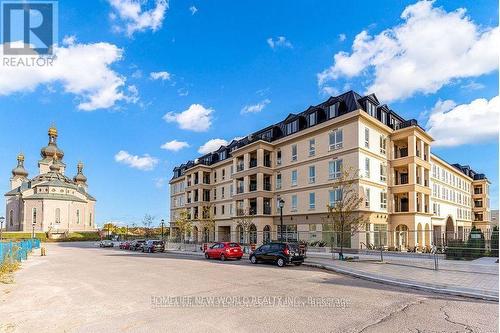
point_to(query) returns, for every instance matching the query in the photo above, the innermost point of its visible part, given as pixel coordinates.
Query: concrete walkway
(478, 279)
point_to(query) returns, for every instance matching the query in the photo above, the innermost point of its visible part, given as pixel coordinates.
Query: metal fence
(17, 250)
(416, 248)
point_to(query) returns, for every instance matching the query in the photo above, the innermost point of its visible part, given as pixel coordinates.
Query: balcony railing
(401, 152)
(267, 186)
(240, 167)
(253, 187)
(253, 163)
(403, 179)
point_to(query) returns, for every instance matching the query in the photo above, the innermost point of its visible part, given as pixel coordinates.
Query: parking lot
(79, 287)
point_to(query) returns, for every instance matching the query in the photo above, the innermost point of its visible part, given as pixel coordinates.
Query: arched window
(58, 215)
(267, 234)
(11, 217)
(33, 220)
(253, 234)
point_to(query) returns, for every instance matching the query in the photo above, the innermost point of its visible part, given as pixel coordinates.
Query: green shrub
(23, 235)
(494, 242)
(476, 243)
(457, 249)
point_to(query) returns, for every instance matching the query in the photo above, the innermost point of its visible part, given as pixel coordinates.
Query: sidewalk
(470, 279)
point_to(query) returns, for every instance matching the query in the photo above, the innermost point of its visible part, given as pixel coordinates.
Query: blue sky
(239, 66)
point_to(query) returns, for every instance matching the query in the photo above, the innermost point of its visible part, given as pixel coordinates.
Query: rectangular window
(312, 200)
(367, 137)
(333, 110)
(294, 178)
(367, 198)
(383, 144)
(335, 196)
(223, 209)
(312, 147)
(312, 119)
(336, 139)
(383, 200)
(278, 157)
(371, 109)
(383, 172)
(294, 153)
(278, 181)
(383, 117)
(222, 192)
(367, 167)
(334, 169)
(231, 190)
(292, 127)
(294, 202)
(223, 174)
(312, 174)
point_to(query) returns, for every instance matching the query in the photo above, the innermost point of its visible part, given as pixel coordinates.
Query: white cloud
(256, 108)
(342, 37)
(472, 85)
(428, 50)
(164, 76)
(193, 10)
(212, 145)
(82, 69)
(135, 18)
(174, 145)
(196, 118)
(452, 125)
(160, 182)
(280, 41)
(144, 162)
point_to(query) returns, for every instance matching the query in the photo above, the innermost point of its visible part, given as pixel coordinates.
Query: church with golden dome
(50, 201)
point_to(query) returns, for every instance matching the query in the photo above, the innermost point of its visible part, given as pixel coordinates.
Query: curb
(411, 285)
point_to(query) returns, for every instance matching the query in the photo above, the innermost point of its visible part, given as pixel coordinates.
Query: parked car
(279, 253)
(106, 243)
(124, 245)
(224, 250)
(153, 246)
(137, 244)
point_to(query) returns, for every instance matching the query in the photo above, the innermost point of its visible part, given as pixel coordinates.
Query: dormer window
(292, 127)
(222, 155)
(383, 117)
(371, 109)
(312, 119)
(333, 110)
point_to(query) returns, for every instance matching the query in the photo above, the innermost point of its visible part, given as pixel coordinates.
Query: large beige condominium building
(299, 160)
(50, 201)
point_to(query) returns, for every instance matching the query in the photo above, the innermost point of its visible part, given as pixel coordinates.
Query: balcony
(402, 179)
(253, 187)
(267, 210)
(267, 162)
(240, 167)
(402, 152)
(240, 189)
(253, 163)
(267, 186)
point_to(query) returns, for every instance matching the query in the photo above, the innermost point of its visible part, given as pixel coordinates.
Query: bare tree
(244, 220)
(344, 215)
(183, 224)
(207, 221)
(147, 222)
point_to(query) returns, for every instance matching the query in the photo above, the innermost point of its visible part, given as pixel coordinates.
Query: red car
(224, 250)
(125, 245)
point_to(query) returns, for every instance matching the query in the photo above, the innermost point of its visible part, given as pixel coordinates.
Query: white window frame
(294, 203)
(312, 203)
(367, 137)
(312, 147)
(337, 169)
(367, 197)
(383, 200)
(293, 180)
(294, 154)
(333, 140)
(312, 178)
(367, 167)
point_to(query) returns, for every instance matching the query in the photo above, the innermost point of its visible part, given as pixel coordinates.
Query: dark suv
(137, 244)
(153, 246)
(278, 253)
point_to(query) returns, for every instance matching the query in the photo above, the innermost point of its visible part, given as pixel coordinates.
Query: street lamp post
(281, 203)
(162, 224)
(2, 219)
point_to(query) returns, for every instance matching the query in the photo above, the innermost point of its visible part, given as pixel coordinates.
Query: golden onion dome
(19, 170)
(80, 177)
